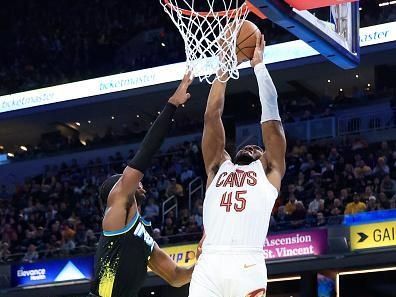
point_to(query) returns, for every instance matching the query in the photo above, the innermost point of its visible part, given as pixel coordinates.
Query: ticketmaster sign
(169, 73)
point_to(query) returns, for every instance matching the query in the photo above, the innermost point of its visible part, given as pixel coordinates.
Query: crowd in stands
(323, 182)
(47, 43)
(57, 212)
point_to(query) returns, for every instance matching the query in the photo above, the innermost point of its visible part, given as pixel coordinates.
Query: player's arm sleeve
(153, 140)
(271, 126)
(161, 264)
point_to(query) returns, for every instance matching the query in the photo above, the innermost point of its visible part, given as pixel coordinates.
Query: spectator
(199, 217)
(320, 220)
(371, 204)
(356, 206)
(362, 170)
(186, 175)
(388, 186)
(290, 206)
(337, 208)
(316, 205)
(297, 218)
(169, 228)
(151, 211)
(4, 252)
(31, 254)
(381, 169)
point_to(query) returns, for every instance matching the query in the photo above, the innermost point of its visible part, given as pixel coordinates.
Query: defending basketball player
(240, 196)
(125, 247)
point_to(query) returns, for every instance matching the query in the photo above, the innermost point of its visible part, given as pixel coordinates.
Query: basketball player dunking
(240, 196)
(125, 247)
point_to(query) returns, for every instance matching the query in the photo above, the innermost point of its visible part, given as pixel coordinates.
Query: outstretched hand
(258, 51)
(181, 94)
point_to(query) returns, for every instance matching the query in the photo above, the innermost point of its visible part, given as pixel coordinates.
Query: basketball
(246, 41)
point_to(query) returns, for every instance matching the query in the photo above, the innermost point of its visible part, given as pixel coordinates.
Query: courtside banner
(164, 74)
(376, 235)
(30, 274)
(183, 255)
(296, 244)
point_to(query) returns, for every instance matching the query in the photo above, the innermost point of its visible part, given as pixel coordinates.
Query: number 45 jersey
(237, 207)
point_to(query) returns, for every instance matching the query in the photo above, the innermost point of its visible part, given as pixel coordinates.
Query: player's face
(248, 154)
(140, 194)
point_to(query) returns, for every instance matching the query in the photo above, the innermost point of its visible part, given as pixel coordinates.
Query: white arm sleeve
(268, 94)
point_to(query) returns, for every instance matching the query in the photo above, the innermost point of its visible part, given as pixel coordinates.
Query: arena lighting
(369, 85)
(1, 147)
(24, 148)
(357, 75)
(341, 90)
(89, 122)
(112, 117)
(283, 279)
(163, 44)
(138, 116)
(78, 124)
(329, 81)
(83, 142)
(11, 155)
(364, 271)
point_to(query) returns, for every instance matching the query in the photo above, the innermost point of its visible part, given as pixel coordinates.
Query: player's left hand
(181, 94)
(258, 51)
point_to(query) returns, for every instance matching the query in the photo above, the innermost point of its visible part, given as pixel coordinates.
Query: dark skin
(122, 207)
(213, 140)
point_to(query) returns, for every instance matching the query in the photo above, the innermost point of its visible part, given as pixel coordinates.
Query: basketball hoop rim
(229, 13)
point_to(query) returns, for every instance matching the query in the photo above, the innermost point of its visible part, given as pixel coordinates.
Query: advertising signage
(281, 52)
(376, 235)
(296, 244)
(24, 274)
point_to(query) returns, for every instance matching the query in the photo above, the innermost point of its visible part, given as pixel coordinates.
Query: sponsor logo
(376, 235)
(33, 274)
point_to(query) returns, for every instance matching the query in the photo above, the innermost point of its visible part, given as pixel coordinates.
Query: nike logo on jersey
(248, 266)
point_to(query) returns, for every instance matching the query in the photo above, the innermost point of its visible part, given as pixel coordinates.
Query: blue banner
(59, 270)
(370, 217)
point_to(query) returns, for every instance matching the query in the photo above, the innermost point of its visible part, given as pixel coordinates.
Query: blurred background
(333, 229)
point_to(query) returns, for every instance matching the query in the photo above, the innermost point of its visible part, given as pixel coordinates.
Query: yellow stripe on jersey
(106, 282)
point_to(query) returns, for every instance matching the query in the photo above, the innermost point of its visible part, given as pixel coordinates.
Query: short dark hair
(105, 189)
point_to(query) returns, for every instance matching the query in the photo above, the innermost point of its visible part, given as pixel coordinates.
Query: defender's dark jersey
(121, 260)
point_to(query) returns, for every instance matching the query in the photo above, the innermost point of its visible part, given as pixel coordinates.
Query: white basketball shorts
(228, 274)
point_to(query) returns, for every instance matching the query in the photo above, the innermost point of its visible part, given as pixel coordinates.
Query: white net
(209, 36)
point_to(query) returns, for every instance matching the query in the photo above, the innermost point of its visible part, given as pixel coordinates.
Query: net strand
(210, 38)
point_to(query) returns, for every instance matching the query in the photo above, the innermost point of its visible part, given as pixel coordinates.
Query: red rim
(231, 13)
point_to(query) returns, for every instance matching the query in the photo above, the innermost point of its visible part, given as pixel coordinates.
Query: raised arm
(271, 126)
(213, 139)
(119, 199)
